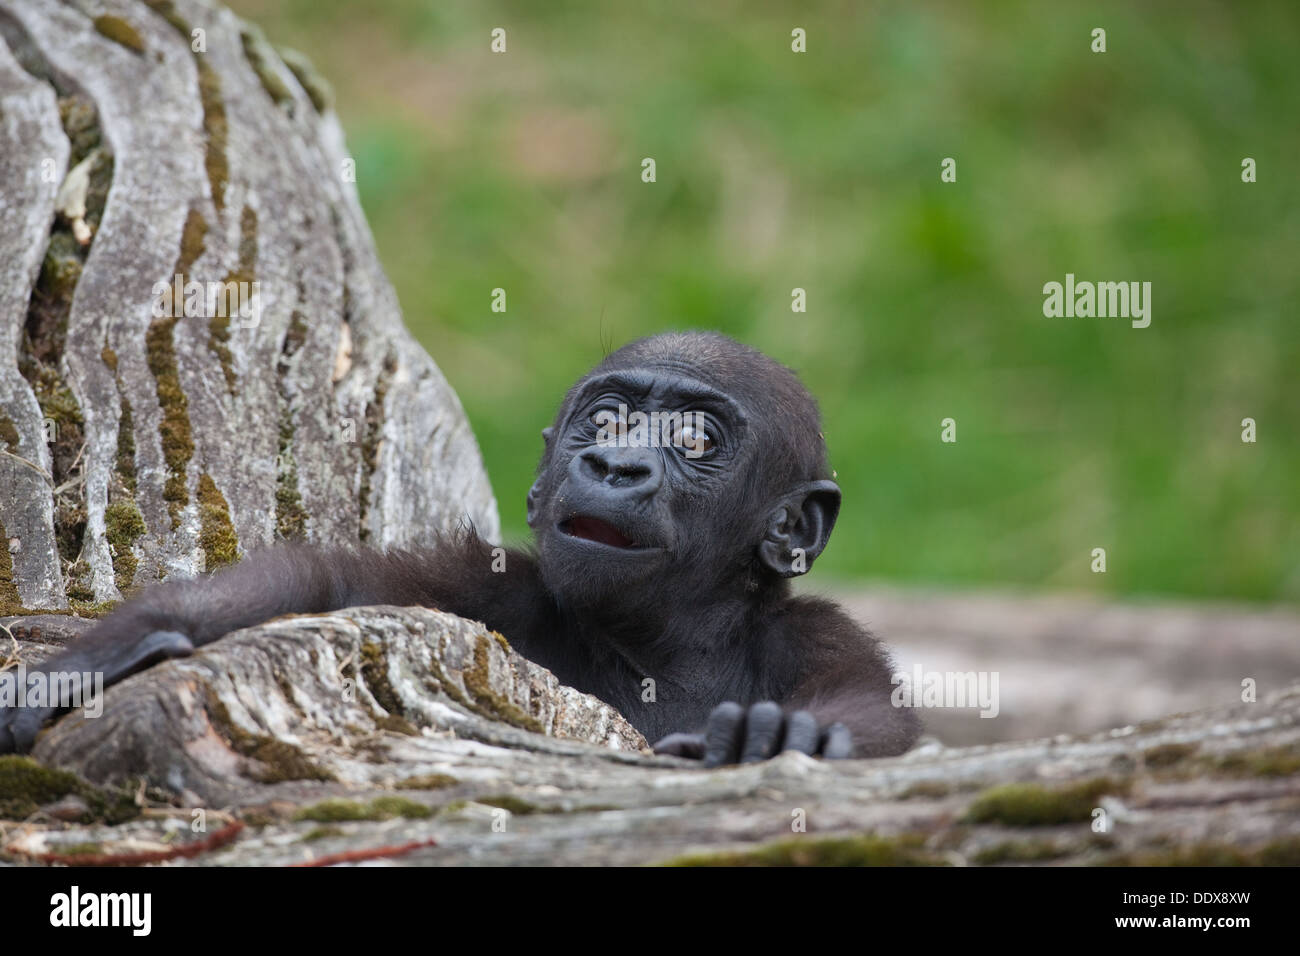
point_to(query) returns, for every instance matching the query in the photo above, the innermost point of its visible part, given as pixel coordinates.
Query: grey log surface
(378, 730)
(133, 446)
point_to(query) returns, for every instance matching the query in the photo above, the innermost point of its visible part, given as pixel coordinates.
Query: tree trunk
(160, 145)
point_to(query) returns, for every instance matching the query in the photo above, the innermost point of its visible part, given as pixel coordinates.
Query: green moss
(160, 355)
(1281, 852)
(79, 849)
(398, 725)
(91, 608)
(393, 806)
(47, 319)
(260, 816)
(244, 272)
(519, 807)
(316, 86)
(261, 57)
(320, 833)
(57, 402)
(296, 334)
(335, 810)
(1030, 804)
(119, 31)
(1167, 755)
(80, 122)
(283, 761)
(76, 581)
(123, 524)
(486, 703)
(215, 125)
(219, 345)
(9, 597)
(9, 433)
(492, 704)
(193, 235)
(88, 609)
(126, 446)
(338, 810)
(45, 335)
(927, 789)
(177, 441)
(1280, 761)
(26, 785)
(217, 129)
(279, 760)
(865, 850)
(1021, 851)
(125, 463)
(216, 533)
(428, 781)
(290, 515)
(371, 441)
(374, 670)
(101, 180)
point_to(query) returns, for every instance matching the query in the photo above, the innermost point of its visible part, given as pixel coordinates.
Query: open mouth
(594, 529)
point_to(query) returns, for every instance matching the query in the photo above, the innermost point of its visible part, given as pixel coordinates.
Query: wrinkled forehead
(703, 364)
(769, 394)
(655, 386)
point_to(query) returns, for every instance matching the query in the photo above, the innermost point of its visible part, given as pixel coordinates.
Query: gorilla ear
(799, 527)
(532, 503)
(547, 434)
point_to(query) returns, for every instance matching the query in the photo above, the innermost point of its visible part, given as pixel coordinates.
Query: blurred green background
(821, 170)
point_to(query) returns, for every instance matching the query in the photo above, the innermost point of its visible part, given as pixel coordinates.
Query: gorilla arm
(839, 706)
(848, 681)
(172, 619)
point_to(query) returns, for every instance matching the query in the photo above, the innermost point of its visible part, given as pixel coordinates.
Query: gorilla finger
(837, 742)
(801, 733)
(690, 746)
(723, 735)
(762, 732)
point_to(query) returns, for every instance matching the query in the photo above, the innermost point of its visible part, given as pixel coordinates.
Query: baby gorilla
(658, 583)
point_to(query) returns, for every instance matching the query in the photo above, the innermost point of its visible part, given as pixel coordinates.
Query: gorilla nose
(636, 470)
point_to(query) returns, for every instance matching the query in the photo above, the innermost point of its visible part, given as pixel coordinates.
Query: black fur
(675, 570)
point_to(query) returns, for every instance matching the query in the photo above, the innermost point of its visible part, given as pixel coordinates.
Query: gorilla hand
(102, 651)
(736, 734)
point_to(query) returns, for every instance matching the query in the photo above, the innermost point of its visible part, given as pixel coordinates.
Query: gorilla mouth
(595, 529)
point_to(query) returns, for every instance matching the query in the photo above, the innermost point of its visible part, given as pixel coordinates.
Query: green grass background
(821, 171)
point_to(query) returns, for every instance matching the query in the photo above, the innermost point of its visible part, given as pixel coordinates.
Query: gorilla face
(636, 479)
(683, 465)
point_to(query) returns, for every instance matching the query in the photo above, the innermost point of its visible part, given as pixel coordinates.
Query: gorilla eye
(609, 420)
(693, 439)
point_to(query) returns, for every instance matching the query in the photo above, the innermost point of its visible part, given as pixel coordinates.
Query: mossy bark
(139, 439)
